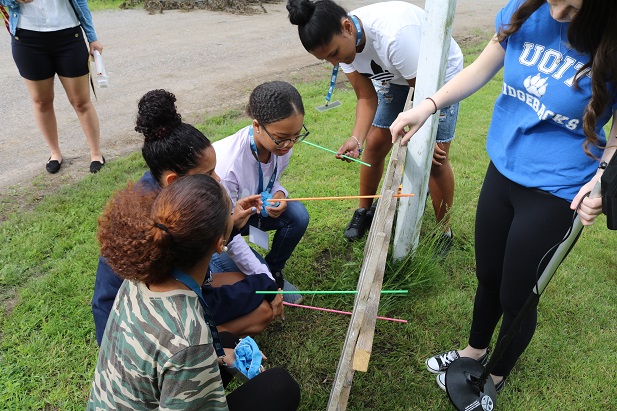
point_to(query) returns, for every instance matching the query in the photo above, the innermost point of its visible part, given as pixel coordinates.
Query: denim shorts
(391, 101)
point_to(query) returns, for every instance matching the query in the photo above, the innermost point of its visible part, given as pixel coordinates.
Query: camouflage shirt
(157, 353)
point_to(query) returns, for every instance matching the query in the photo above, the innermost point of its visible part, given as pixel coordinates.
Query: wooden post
(434, 47)
(359, 340)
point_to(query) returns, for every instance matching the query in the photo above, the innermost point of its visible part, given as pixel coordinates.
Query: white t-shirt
(47, 15)
(237, 168)
(393, 31)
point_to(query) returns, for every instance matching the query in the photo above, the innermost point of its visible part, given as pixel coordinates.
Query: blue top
(227, 302)
(536, 134)
(81, 10)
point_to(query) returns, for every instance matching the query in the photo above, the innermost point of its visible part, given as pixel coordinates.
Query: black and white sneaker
(360, 221)
(439, 363)
(441, 383)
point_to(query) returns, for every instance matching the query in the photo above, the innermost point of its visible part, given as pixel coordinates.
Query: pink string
(339, 312)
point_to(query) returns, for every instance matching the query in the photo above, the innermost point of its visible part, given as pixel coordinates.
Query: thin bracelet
(435, 104)
(359, 145)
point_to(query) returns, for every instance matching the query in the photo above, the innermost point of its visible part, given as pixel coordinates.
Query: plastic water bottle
(101, 75)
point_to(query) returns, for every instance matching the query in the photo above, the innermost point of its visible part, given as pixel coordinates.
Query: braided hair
(273, 101)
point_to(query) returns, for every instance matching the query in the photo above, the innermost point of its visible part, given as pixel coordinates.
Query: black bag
(608, 184)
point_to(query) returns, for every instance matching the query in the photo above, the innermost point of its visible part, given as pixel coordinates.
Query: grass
(49, 253)
(99, 5)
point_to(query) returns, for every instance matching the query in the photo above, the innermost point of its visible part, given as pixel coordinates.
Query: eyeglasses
(288, 141)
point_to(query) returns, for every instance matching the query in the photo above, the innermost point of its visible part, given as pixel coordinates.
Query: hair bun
(300, 11)
(157, 115)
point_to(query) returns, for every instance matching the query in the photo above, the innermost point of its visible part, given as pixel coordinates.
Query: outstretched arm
(464, 84)
(365, 112)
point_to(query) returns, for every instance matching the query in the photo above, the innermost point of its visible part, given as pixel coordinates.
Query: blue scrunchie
(248, 357)
(265, 196)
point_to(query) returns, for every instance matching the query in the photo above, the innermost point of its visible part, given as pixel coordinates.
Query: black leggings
(515, 227)
(272, 390)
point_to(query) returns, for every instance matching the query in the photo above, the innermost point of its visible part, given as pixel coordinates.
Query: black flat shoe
(53, 166)
(96, 166)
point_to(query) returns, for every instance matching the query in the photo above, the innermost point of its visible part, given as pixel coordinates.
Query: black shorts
(40, 55)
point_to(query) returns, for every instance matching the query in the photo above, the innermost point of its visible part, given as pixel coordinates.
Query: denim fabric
(290, 227)
(447, 123)
(391, 101)
(222, 263)
(81, 11)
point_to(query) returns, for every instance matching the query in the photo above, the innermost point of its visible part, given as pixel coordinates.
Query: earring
(225, 248)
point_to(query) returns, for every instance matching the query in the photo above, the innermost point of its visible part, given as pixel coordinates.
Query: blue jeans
(290, 227)
(391, 101)
(222, 263)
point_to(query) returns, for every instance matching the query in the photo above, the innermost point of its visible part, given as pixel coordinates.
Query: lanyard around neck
(187, 280)
(260, 188)
(356, 23)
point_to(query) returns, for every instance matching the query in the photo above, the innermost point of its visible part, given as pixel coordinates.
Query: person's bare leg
(42, 95)
(220, 279)
(78, 91)
(378, 145)
(441, 187)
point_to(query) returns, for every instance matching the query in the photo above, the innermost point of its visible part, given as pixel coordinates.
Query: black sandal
(53, 166)
(96, 166)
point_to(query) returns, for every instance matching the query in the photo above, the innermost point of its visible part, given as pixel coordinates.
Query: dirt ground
(210, 60)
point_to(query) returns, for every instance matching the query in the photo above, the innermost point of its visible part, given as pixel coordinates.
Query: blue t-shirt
(536, 134)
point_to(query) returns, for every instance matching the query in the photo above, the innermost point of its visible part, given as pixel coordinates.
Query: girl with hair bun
(378, 48)
(161, 349)
(173, 149)
(251, 162)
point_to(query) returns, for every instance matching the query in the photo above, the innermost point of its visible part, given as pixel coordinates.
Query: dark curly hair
(274, 101)
(169, 144)
(592, 31)
(318, 22)
(144, 236)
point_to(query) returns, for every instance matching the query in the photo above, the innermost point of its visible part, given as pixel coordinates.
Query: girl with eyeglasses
(171, 150)
(252, 161)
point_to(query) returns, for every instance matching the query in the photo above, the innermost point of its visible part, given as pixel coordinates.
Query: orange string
(338, 198)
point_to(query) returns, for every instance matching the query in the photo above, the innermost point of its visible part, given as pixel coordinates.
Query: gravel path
(210, 60)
